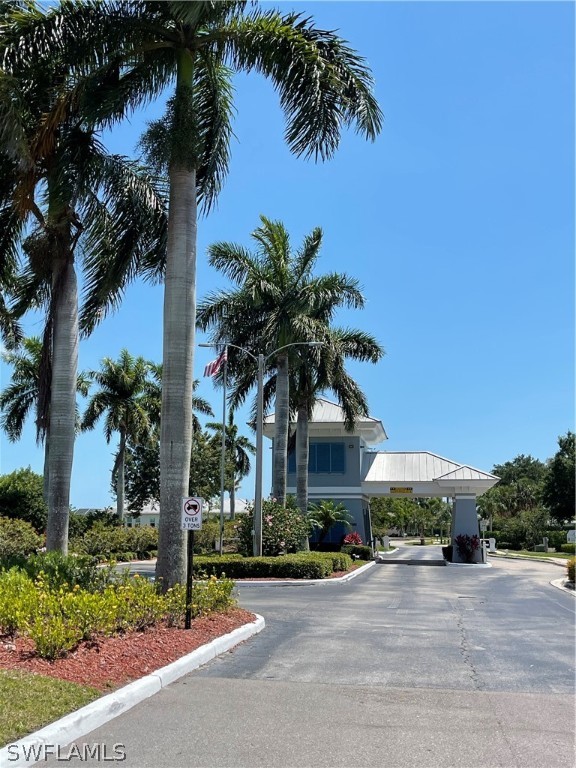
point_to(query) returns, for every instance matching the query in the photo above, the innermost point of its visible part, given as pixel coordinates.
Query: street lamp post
(257, 540)
(261, 361)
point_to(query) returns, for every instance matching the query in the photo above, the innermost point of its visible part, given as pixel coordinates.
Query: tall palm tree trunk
(62, 404)
(46, 472)
(281, 424)
(178, 355)
(178, 340)
(302, 451)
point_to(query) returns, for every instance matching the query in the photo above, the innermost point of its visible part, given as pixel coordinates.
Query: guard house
(344, 467)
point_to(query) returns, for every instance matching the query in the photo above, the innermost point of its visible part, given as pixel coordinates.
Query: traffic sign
(192, 513)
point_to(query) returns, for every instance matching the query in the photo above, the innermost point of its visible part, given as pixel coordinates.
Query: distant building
(150, 514)
(343, 467)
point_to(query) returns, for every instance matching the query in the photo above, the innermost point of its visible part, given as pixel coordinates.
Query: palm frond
(323, 84)
(212, 94)
(126, 233)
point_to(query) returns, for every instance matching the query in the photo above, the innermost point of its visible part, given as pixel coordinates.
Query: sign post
(191, 521)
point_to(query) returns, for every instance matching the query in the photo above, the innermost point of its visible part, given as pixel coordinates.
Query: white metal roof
(326, 414)
(425, 473)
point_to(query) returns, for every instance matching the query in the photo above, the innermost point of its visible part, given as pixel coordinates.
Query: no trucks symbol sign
(191, 514)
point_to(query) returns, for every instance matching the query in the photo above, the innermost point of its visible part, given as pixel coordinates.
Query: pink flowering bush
(352, 538)
(283, 528)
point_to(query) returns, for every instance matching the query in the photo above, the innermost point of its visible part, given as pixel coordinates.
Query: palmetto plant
(135, 50)
(327, 513)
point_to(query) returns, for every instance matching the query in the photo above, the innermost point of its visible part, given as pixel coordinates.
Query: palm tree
(325, 370)
(154, 399)
(277, 302)
(122, 400)
(238, 448)
(21, 396)
(327, 513)
(61, 190)
(135, 50)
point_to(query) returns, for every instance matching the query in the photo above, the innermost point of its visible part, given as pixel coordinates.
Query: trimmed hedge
(313, 565)
(570, 549)
(117, 543)
(363, 552)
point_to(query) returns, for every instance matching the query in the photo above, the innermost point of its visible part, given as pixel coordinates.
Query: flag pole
(223, 456)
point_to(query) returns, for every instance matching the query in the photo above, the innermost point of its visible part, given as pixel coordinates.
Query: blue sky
(458, 222)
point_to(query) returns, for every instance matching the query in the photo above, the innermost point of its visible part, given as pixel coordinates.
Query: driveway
(403, 666)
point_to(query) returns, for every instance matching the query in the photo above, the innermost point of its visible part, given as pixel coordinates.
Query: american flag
(213, 367)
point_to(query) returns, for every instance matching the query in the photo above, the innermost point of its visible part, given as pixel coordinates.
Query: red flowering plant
(352, 538)
(467, 546)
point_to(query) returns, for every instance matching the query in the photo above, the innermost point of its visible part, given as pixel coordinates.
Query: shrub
(556, 539)
(569, 548)
(467, 546)
(17, 540)
(18, 598)
(570, 567)
(304, 565)
(22, 498)
(57, 619)
(283, 528)
(58, 569)
(540, 548)
(339, 561)
(106, 542)
(213, 595)
(513, 533)
(363, 552)
(205, 538)
(353, 538)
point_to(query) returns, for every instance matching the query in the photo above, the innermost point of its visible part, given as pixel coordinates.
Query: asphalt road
(403, 666)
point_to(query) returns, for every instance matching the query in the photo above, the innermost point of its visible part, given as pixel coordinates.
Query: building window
(323, 458)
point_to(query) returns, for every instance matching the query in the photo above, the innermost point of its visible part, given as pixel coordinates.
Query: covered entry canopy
(420, 473)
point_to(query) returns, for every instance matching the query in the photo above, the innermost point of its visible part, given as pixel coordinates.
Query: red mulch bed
(110, 662)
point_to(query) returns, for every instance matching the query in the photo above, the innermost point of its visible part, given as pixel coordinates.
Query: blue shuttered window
(324, 458)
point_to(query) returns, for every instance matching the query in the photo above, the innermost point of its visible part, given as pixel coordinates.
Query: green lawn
(28, 702)
(529, 553)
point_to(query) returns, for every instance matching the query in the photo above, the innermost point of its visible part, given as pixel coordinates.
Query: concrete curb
(305, 582)
(77, 724)
(553, 561)
(469, 565)
(561, 584)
